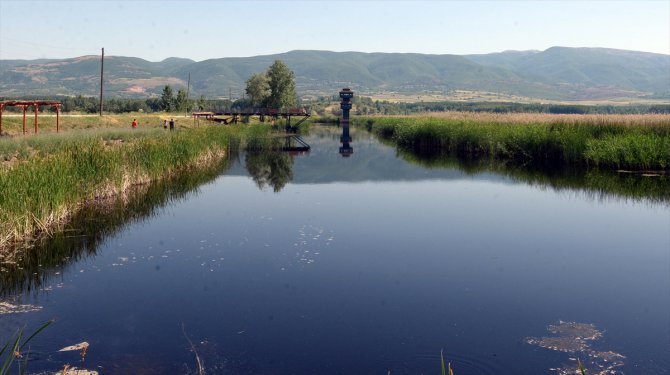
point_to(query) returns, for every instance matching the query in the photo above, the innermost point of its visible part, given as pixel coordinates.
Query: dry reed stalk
(201, 368)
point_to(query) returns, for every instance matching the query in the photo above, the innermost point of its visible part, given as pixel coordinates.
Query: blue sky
(201, 30)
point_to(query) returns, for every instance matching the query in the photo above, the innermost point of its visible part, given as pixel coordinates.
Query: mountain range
(558, 73)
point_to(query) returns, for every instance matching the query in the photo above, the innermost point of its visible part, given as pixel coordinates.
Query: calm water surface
(321, 264)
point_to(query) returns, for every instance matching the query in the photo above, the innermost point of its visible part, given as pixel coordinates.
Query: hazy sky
(200, 30)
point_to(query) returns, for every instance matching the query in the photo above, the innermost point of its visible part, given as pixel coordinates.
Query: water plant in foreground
(580, 366)
(447, 370)
(12, 351)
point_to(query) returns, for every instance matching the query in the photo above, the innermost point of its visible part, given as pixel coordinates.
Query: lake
(366, 264)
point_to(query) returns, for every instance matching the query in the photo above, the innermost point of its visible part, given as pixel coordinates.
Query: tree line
(274, 88)
(362, 106)
(367, 106)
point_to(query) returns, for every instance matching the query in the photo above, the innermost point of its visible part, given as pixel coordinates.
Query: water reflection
(28, 271)
(269, 168)
(595, 184)
(346, 150)
(460, 256)
(92, 225)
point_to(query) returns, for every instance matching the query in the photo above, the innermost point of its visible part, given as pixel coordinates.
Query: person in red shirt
(134, 123)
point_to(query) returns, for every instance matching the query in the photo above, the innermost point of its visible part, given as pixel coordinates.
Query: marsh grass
(58, 173)
(635, 142)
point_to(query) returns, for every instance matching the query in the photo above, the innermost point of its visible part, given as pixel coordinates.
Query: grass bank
(85, 230)
(46, 178)
(632, 142)
(12, 123)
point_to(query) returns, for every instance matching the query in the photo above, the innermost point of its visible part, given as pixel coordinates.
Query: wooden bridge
(234, 116)
(292, 142)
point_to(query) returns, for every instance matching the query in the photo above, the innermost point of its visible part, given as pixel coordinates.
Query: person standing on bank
(134, 124)
(165, 124)
(171, 124)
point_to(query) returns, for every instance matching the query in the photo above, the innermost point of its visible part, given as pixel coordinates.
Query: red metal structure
(31, 103)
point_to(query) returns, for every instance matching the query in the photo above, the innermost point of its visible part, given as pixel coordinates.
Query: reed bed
(632, 142)
(650, 119)
(49, 177)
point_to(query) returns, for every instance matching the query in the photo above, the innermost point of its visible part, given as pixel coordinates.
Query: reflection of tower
(346, 95)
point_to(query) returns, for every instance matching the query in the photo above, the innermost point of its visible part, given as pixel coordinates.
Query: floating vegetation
(67, 370)
(81, 346)
(577, 338)
(310, 242)
(8, 308)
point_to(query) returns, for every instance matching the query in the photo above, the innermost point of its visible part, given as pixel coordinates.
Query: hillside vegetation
(558, 73)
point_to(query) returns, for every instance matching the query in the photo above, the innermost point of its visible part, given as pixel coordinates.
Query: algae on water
(578, 338)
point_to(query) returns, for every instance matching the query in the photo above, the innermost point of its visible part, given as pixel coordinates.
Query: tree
(167, 99)
(201, 103)
(258, 89)
(181, 102)
(282, 86)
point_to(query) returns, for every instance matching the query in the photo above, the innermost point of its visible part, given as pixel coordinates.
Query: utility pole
(188, 90)
(102, 64)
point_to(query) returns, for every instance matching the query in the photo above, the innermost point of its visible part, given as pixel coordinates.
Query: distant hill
(556, 73)
(587, 67)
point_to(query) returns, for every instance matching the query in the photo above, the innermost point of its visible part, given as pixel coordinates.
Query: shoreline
(86, 171)
(600, 142)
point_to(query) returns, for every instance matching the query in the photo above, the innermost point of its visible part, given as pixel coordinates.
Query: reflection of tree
(270, 168)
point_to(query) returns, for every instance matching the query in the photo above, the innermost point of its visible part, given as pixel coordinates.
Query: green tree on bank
(169, 102)
(274, 89)
(181, 103)
(167, 99)
(282, 86)
(258, 89)
(201, 103)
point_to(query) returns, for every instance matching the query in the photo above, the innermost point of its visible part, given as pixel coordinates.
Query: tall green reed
(12, 350)
(61, 173)
(595, 144)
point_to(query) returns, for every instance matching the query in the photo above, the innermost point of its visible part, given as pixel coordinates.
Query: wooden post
(102, 64)
(37, 107)
(24, 119)
(2, 107)
(57, 118)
